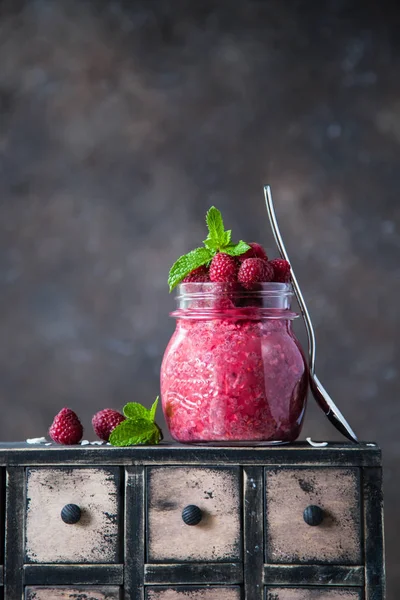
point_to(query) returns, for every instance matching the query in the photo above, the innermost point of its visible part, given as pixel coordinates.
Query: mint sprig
(218, 240)
(217, 236)
(139, 426)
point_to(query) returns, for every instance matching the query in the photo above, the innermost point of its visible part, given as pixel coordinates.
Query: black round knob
(71, 513)
(313, 515)
(192, 514)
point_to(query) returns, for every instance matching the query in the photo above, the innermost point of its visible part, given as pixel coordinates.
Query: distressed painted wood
(94, 539)
(289, 539)
(253, 491)
(221, 593)
(313, 575)
(312, 594)
(2, 509)
(373, 527)
(81, 593)
(216, 492)
(54, 574)
(210, 573)
(301, 453)
(134, 532)
(15, 517)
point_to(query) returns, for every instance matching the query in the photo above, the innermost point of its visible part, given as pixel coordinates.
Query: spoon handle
(296, 287)
(320, 394)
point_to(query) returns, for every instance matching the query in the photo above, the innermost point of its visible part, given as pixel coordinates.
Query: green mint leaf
(236, 249)
(156, 436)
(217, 237)
(153, 409)
(134, 432)
(211, 245)
(215, 224)
(186, 263)
(227, 238)
(134, 410)
(215, 245)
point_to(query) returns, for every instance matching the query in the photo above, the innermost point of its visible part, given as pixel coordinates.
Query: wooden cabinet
(174, 522)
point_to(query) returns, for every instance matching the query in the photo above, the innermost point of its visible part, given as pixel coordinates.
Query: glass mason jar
(233, 370)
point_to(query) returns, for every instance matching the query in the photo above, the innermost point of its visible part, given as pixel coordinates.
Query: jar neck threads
(231, 300)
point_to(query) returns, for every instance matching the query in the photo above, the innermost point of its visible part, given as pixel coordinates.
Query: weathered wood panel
(253, 492)
(56, 574)
(3, 484)
(216, 492)
(134, 533)
(301, 453)
(191, 593)
(81, 593)
(313, 575)
(194, 573)
(289, 539)
(373, 535)
(14, 516)
(312, 594)
(94, 539)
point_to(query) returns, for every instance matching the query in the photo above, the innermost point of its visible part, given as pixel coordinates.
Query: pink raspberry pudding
(233, 370)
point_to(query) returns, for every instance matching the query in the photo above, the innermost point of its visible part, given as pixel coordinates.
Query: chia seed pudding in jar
(233, 370)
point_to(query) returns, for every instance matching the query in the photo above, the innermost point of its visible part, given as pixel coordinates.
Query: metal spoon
(319, 392)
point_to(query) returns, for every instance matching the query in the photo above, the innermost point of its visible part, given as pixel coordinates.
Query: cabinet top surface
(300, 453)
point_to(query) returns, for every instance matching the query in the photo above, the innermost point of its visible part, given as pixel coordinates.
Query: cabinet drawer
(78, 593)
(94, 537)
(215, 494)
(335, 492)
(193, 593)
(312, 594)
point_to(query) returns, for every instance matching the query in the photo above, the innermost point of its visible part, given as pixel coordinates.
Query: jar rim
(205, 300)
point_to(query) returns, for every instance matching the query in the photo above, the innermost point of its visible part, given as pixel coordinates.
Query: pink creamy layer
(231, 380)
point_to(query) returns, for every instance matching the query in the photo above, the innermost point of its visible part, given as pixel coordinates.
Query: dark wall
(122, 122)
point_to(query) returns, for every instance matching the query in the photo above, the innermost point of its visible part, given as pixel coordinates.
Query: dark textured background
(122, 122)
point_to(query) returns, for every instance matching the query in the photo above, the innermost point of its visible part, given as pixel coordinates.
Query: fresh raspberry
(199, 275)
(281, 270)
(66, 427)
(105, 421)
(254, 270)
(223, 268)
(255, 251)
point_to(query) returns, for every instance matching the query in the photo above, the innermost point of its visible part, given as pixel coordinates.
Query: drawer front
(216, 492)
(77, 593)
(289, 539)
(193, 593)
(311, 594)
(94, 538)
